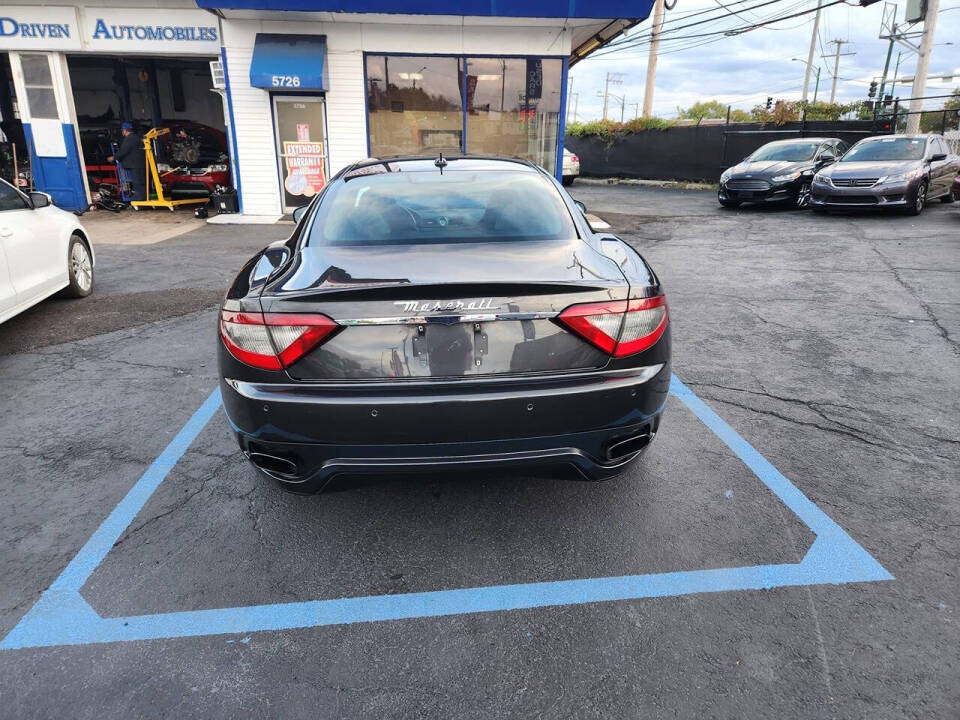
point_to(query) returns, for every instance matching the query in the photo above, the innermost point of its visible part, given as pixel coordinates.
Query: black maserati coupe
(443, 313)
(780, 171)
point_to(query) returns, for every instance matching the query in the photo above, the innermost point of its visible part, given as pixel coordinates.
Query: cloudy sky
(744, 69)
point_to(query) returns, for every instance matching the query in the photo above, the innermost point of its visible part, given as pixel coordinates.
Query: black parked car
(435, 314)
(779, 172)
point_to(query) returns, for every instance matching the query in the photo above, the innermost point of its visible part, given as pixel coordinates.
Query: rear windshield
(887, 149)
(404, 208)
(791, 152)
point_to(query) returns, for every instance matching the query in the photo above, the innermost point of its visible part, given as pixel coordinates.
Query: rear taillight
(574, 158)
(273, 341)
(619, 328)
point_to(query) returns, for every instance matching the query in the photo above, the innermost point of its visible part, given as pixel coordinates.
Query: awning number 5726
(285, 80)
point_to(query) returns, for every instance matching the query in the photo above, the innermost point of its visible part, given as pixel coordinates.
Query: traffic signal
(872, 92)
(769, 102)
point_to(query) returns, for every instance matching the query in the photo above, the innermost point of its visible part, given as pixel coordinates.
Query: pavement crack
(928, 311)
(182, 502)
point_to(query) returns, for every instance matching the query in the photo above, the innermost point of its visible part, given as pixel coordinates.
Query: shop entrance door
(300, 128)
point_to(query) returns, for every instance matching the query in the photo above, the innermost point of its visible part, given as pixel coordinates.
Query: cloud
(743, 70)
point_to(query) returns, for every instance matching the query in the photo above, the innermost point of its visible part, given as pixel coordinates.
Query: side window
(941, 146)
(10, 199)
(842, 148)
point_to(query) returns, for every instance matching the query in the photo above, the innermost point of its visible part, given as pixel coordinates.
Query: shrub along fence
(696, 152)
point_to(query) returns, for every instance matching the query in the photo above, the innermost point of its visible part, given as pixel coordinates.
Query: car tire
(79, 268)
(803, 197)
(950, 197)
(919, 200)
(567, 180)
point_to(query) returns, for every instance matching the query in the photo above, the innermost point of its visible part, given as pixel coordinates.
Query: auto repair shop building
(301, 88)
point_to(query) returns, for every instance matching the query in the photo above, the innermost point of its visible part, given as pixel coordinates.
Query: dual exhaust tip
(624, 447)
(274, 464)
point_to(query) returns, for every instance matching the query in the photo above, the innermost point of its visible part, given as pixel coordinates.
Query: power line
(640, 42)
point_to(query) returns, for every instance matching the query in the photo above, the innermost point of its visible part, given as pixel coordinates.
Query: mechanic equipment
(225, 200)
(152, 174)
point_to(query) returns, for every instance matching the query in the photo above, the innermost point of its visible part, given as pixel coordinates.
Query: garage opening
(174, 97)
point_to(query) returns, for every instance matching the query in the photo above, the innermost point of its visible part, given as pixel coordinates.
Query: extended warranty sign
(62, 617)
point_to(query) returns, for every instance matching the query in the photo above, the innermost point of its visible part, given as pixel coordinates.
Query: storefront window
(414, 105)
(513, 108)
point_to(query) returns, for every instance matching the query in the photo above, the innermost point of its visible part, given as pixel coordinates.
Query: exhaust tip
(619, 449)
(273, 464)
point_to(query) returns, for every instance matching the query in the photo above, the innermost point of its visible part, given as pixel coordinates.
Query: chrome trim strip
(446, 319)
(379, 391)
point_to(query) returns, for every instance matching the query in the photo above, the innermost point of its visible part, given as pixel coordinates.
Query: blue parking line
(62, 617)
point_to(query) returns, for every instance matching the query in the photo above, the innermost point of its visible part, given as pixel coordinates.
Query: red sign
(304, 162)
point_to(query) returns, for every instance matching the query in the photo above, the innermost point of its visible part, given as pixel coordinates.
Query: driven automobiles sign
(39, 28)
(186, 31)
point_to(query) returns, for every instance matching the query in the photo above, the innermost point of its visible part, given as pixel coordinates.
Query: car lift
(161, 200)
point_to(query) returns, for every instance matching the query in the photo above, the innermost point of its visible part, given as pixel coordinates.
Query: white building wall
(345, 98)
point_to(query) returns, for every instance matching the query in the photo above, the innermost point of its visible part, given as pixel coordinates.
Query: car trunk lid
(446, 310)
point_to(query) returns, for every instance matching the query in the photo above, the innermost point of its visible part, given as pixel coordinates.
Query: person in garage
(131, 156)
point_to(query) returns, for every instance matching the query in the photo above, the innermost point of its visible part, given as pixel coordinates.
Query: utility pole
(836, 65)
(612, 79)
(923, 66)
(652, 59)
(813, 45)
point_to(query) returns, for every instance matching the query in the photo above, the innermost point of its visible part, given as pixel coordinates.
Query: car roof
(900, 136)
(452, 163)
(803, 139)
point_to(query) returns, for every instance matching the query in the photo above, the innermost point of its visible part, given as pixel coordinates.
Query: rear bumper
(318, 432)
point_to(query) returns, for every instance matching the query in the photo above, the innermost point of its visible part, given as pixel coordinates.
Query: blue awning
(288, 62)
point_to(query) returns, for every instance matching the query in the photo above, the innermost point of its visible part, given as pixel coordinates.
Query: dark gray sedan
(899, 171)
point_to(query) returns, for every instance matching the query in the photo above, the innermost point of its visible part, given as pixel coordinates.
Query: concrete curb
(674, 184)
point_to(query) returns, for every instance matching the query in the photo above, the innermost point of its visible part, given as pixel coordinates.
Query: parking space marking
(62, 617)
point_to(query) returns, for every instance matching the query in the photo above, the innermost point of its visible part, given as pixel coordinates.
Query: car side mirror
(580, 206)
(826, 159)
(40, 200)
(298, 213)
(938, 157)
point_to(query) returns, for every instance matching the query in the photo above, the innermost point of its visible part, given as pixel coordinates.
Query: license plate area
(455, 349)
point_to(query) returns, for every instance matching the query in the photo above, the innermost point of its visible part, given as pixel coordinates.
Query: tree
(934, 120)
(705, 109)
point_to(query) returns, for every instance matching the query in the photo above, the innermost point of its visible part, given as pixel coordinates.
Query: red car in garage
(192, 159)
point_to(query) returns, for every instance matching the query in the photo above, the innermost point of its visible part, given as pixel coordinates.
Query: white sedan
(43, 250)
(571, 167)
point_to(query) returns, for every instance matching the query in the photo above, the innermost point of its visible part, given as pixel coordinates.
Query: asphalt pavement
(824, 350)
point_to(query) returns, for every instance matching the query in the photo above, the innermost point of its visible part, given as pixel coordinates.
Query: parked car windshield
(887, 149)
(790, 152)
(391, 208)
